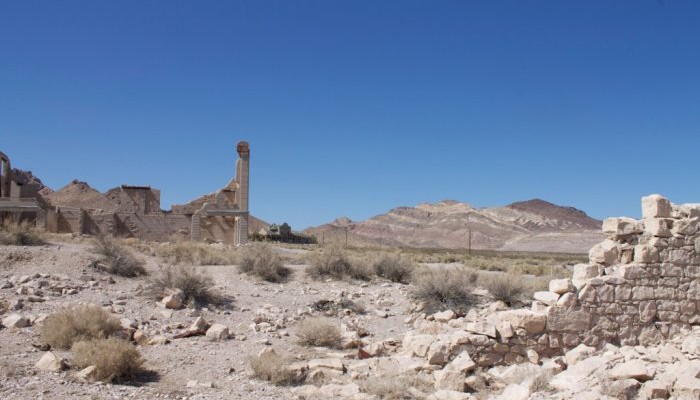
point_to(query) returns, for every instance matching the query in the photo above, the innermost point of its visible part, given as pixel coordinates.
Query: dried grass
(506, 288)
(63, 329)
(114, 360)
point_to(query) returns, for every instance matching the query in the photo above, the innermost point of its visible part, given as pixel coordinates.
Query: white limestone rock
(16, 321)
(561, 286)
(546, 297)
(218, 332)
(605, 252)
(50, 362)
(621, 226)
(633, 369)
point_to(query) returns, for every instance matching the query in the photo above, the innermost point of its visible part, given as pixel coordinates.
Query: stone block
(567, 300)
(646, 254)
(605, 252)
(482, 328)
(568, 320)
(525, 319)
(449, 380)
(685, 227)
(621, 226)
(658, 227)
(656, 206)
(561, 286)
(462, 363)
(16, 321)
(546, 297)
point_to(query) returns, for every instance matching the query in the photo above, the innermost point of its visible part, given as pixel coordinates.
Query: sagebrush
(195, 253)
(21, 233)
(444, 289)
(275, 368)
(63, 329)
(395, 268)
(333, 262)
(506, 288)
(261, 261)
(196, 285)
(319, 332)
(116, 258)
(115, 360)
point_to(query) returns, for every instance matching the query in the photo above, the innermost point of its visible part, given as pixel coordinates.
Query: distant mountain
(533, 225)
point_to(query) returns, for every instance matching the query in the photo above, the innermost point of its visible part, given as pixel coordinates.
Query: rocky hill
(534, 225)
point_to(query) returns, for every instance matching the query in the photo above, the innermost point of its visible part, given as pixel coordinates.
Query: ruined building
(132, 211)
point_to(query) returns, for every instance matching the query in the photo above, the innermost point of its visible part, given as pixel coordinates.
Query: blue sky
(354, 107)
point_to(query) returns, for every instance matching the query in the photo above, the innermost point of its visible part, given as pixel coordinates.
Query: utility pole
(469, 249)
(346, 237)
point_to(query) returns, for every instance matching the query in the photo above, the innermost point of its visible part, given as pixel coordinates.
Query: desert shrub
(343, 303)
(506, 288)
(261, 261)
(333, 262)
(116, 258)
(444, 289)
(319, 332)
(395, 268)
(196, 285)
(272, 367)
(540, 383)
(115, 360)
(407, 386)
(22, 233)
(195, 253)
(71, 325)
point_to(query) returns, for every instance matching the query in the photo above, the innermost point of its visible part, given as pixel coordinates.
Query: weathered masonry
(17, 200)
(640, 287)
(134, 211)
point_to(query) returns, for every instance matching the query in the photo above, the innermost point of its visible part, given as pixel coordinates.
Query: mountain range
(533, 225)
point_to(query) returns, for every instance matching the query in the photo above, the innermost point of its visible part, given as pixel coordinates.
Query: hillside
(534, 225)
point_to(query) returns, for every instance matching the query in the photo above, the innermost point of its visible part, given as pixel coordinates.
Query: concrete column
(6, 176)
(196, 228)
(243, 178)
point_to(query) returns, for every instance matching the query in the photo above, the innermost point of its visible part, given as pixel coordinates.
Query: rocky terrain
(624, 325)
(534, 225)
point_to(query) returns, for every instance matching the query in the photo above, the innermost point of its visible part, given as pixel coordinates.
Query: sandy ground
(220, 368)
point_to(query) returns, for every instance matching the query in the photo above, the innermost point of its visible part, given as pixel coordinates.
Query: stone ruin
(134, 211)
(17, 199)
(641, 286)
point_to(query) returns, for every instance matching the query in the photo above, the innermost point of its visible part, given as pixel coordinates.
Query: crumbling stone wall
(641, 286)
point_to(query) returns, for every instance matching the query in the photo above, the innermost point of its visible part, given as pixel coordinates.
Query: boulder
(50, 362)
(450, 380)
(174, 300)
(655, 390)
(482, 328)
(199, 324)
(87, 374)
(417, 345)
(578, 353)
(515, 392)
(444, 316)
(633, 369)
(16, 321)
(218, 332)
(462, 363)
(445, 394)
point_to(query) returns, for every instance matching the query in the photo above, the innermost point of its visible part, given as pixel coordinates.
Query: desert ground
(310, 335)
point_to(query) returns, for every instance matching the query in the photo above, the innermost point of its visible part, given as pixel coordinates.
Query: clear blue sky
(354, 107)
